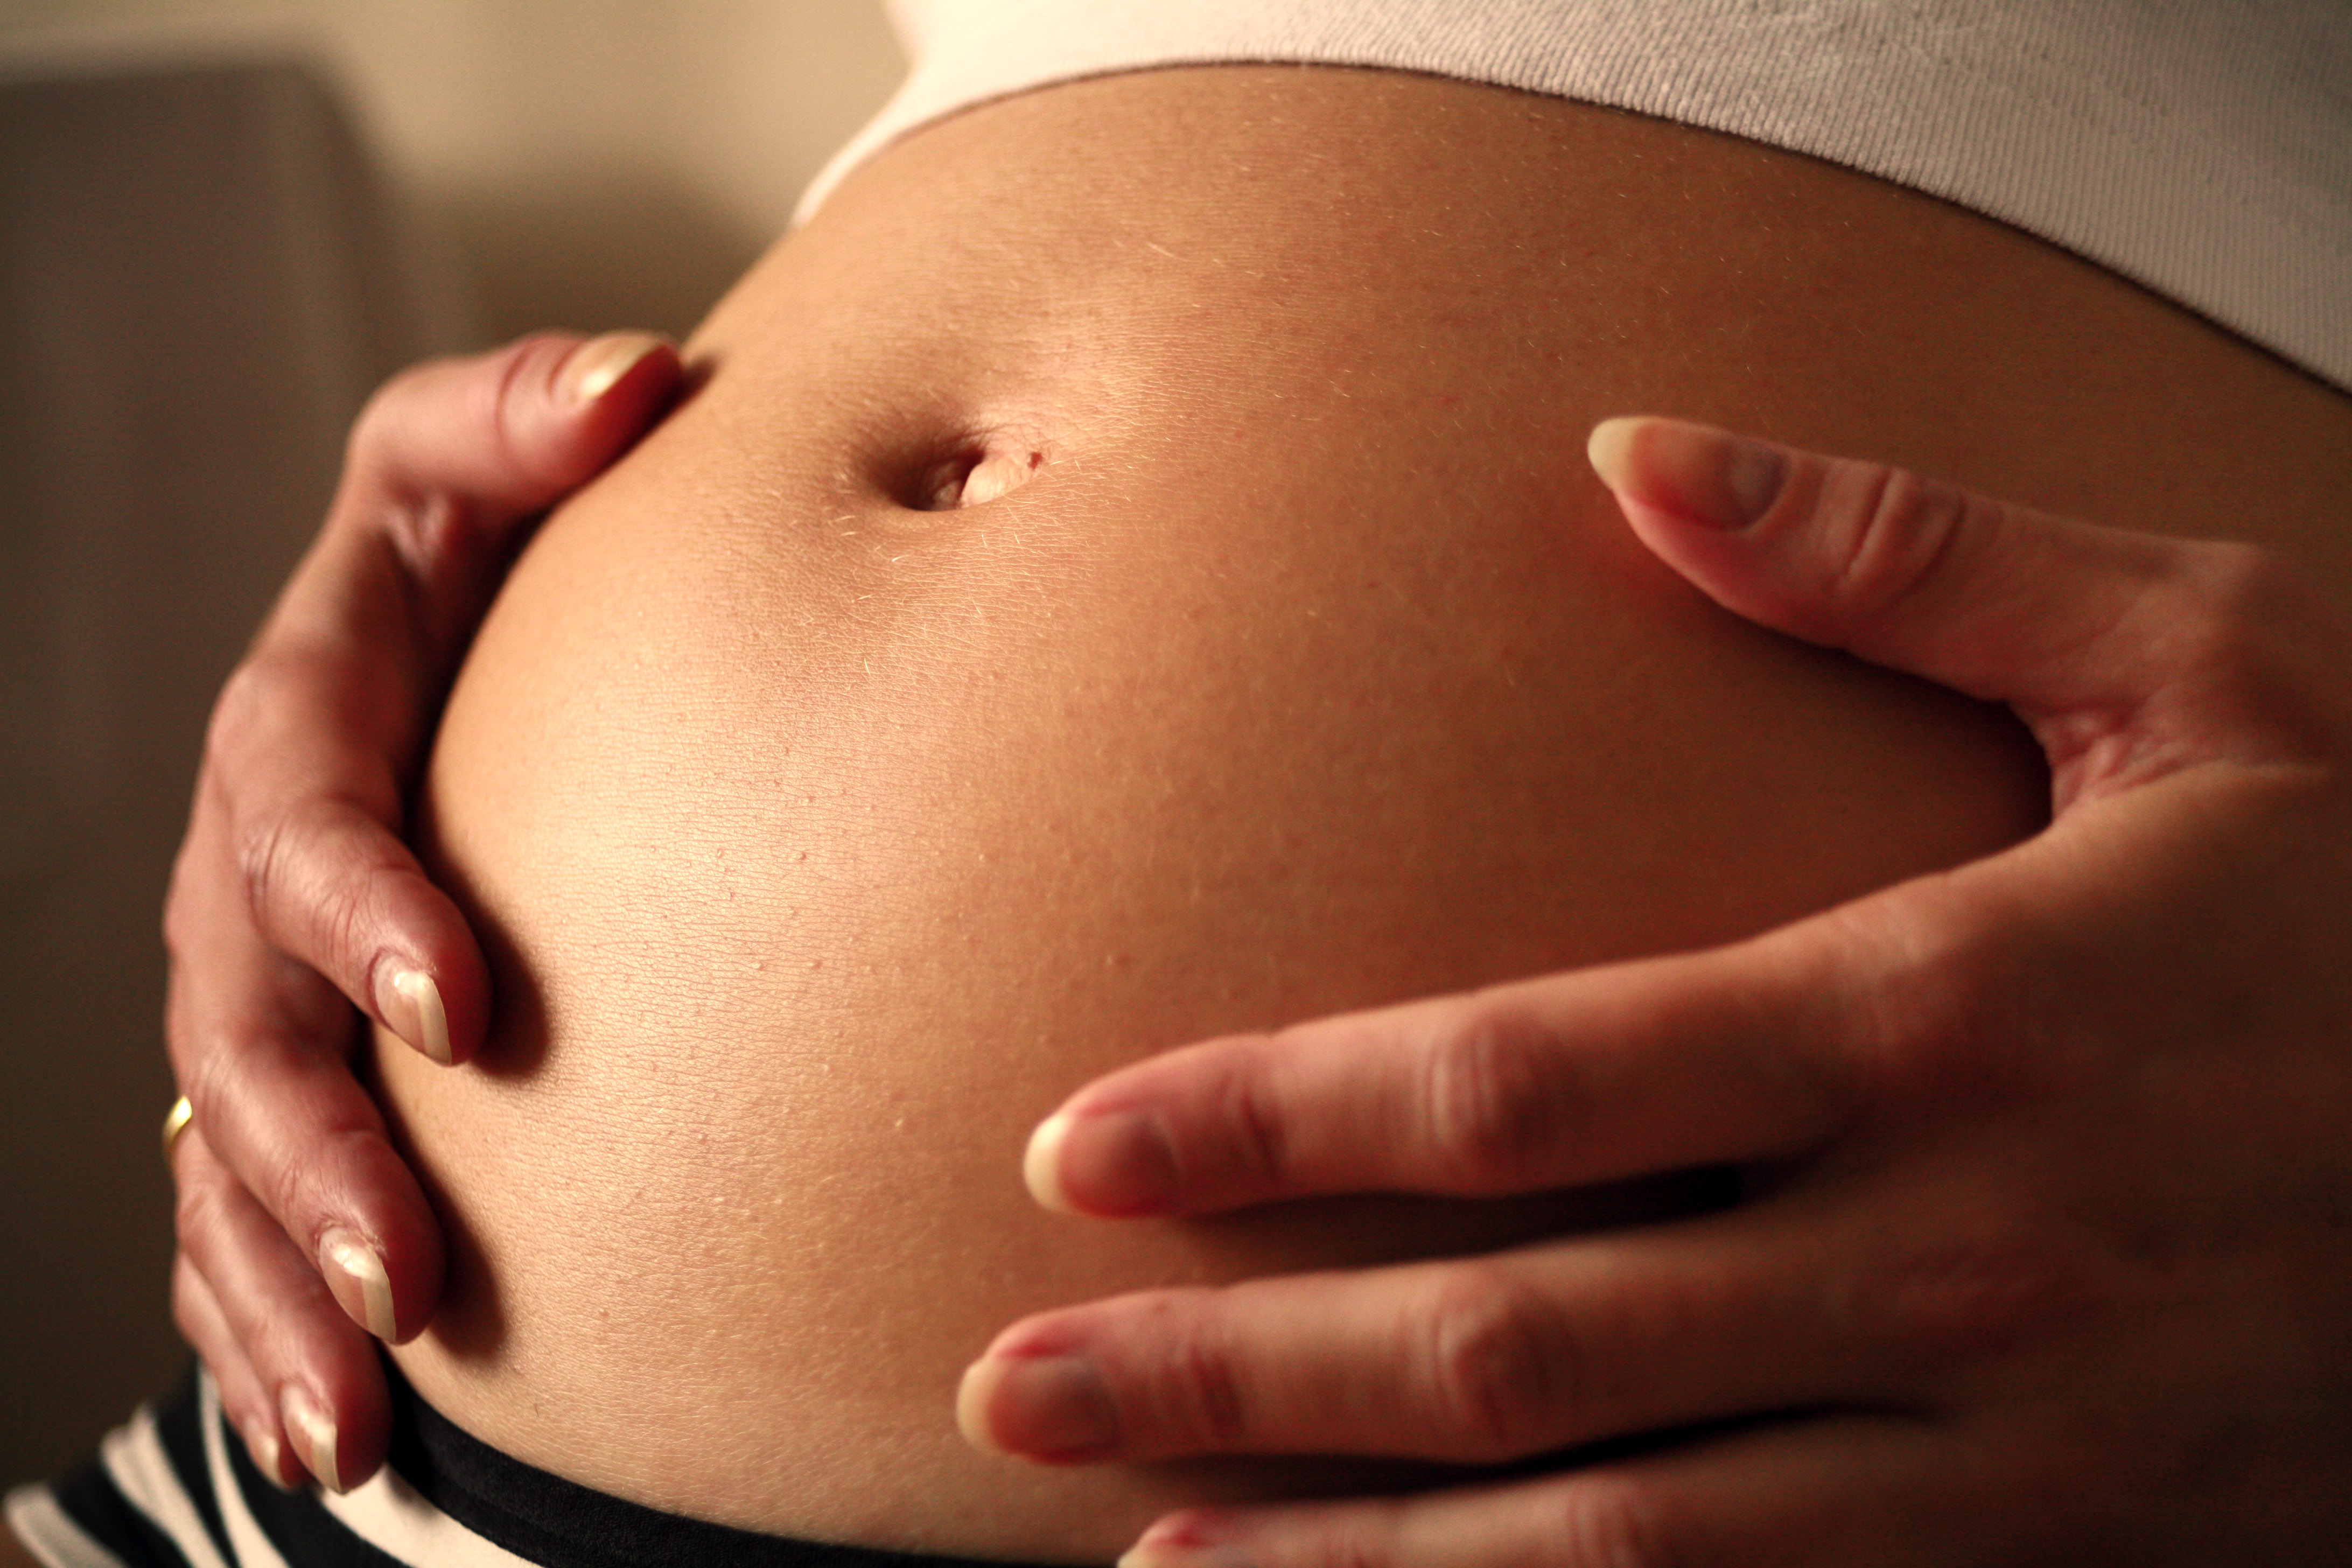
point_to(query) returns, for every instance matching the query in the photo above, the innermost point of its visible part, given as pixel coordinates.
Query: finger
(1781, 1306)
(2132, 655)
(1610, 1073)
(302, 1139)
(312, 1366)
(1866, 1490)
(313, 741)
(295, 814)
(259, 1046)
(246, 1402)
(513, 430)
(447, 465)
(452, 457)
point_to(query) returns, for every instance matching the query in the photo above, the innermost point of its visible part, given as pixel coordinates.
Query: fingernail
(1041, 1163)
(355, 1273)
(427, 1022)
(1125, 1160)
(313, 1432)
(263, 1446)
(1041, 1407)
(1704, 475)
(597, 366)
(1609, 450)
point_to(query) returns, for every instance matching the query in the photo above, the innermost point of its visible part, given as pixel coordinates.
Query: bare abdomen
(825, 842)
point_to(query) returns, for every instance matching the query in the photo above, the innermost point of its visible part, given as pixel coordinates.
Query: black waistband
(562, 1524)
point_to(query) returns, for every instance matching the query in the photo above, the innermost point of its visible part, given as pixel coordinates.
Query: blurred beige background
(585, 162)
(219, 225)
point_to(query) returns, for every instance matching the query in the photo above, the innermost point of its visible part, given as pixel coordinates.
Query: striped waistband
(174, 1489)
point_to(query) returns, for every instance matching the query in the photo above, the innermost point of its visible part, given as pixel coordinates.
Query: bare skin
(1981, 335)
(2042, 1257)
(823, 842)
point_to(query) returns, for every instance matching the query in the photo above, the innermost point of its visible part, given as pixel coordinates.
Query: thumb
(511, 432)
(2131, 655)
(450, 465)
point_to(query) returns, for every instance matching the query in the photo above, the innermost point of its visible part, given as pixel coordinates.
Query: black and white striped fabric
(174, 1489)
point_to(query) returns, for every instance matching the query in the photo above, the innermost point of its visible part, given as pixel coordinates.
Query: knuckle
(1200, 1396)
(1492, 1108)
(182, 926)
(373, 432)
(264, 854)
(182, 1043)
(214, 1063)
(2241, 622)
(1498, 1369)
(491, 397)
(285, 1191)
(304, 1189)
(309, 881)
(1609, 1521)
(1890, 533)
(372, 452)
(2239, 583)
(503, 400)
(1967, 1294)
(2219, 605)
(209, 1082)
(1363, 1538)
(289, 1174)
(507, 397)
(247, 701)
(198, 1216)
(1931, 1016)
(1259, 1123)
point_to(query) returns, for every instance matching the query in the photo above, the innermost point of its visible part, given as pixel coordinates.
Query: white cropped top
(2203, 148)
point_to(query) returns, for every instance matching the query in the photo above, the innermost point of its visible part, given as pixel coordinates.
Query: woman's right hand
(301, 1232)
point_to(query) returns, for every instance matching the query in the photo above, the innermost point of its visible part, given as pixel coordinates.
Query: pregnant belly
(1129, 573)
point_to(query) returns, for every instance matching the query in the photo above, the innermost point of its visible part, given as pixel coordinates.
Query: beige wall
(192, 305)
(585, 162)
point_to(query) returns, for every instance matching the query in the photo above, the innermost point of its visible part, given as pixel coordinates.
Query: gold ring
(175, 1121)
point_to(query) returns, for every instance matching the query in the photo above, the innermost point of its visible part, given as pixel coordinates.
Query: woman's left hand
(2046, 1250)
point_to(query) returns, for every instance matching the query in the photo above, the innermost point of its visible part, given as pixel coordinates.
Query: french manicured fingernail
(1041, 1163)
(263, 1446)
(1041, 1407)
(314, 1433)
(427, 1022)
(355, 1273)
(1609, 450)
(597, 366)
(1124, 1163)
(1705, 475)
